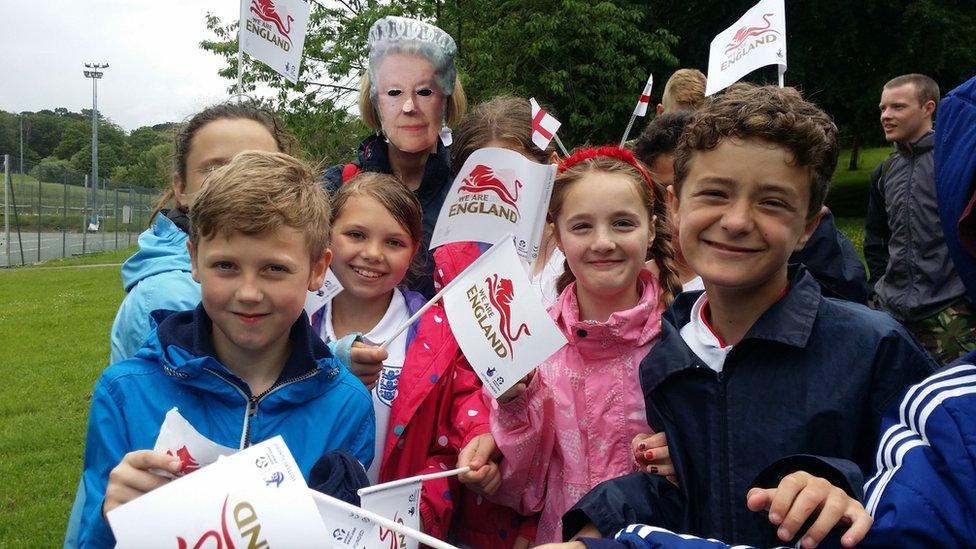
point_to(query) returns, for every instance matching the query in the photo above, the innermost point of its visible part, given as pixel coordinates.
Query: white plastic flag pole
(410, 480)
(559, 143)
(627, 131)
(382, 521)
(781, 69)
(439, 295)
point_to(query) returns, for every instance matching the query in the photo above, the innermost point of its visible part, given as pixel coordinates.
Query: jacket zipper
(253, 401)
(724, 448)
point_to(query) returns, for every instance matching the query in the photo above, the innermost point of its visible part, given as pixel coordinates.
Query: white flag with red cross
(645, 98)
(495, 193)
(498, 319)
(757, 39)
(273, 31)
(544, 126)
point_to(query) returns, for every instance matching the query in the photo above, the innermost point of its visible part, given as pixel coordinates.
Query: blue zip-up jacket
(155, 277)
(372, 156)
(832, 260)
(316, 405)
(955, 172)
(804, 390)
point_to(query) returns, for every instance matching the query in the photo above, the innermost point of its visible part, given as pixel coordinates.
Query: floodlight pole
(95, 74)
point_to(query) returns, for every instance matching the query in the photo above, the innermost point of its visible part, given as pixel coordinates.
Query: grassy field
(54, 326)
(848, 196)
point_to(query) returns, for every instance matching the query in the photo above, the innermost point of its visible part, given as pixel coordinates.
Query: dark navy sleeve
(833, 261)
(642, 536)
(630, 499)
(332, 178)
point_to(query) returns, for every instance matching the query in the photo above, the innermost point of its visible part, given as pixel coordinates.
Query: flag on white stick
(317, 299)
(496, 192)
(254, 498)
(178, 438)
(498, 319)
(645, 98)
(757, 39)
(401, 504)
(273, 31)
(544, 126)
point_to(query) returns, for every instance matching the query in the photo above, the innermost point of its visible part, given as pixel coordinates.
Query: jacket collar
(789, 322)
(921, 145)
(374, 156)
(183, 344)
(634, 327)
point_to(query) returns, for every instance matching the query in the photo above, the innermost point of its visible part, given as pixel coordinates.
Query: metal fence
(51, 212)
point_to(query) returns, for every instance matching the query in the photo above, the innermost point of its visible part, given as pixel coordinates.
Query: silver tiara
(396, 29)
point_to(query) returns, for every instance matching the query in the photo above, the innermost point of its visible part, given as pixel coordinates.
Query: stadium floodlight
(95, 75)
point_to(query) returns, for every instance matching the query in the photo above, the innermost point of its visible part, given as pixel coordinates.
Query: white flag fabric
(254, 498)
(347, 530)
(498, 319)
(330, 288)
(645, 98)
(401, 504)
(178, 438)
(273, 31)
(496, 192)
(544, 126)
(757, 39)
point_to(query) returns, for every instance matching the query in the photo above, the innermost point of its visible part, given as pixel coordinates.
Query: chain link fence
(53, 211)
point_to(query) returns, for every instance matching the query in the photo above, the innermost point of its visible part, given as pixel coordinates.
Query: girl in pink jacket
(569, 425)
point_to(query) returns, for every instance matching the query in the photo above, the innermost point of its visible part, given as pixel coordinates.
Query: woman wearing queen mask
(410, 94)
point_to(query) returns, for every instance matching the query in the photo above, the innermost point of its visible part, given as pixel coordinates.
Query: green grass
(54, 325)
(848, 196)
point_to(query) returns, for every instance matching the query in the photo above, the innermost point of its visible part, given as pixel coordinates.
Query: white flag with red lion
(497, 192)
(273, 32)
(498, 319)
(757, 39)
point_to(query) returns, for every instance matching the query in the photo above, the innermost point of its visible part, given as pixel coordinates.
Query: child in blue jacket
(770, 395)
(243, 366)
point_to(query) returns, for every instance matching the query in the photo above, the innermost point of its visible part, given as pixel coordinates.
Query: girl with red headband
(569, 425)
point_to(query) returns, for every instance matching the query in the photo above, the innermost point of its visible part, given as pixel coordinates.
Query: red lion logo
(483, 179)
(187, 463)
(222, 541)
(746, 32)
(265, 9)
(501, 293)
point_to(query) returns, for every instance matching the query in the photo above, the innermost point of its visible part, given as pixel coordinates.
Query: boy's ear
(193, 260)
(554, 157)
(660, 109)
(673, 204)
(929, 108)
(811, 226)
(317, 277)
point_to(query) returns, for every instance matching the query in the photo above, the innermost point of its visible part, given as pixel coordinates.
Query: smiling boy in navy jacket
(770, 395)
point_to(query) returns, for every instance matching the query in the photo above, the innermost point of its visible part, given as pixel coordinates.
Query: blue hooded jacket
(158, 276)
(316, 405)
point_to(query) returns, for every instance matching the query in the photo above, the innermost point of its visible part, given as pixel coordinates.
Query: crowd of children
(721, 376)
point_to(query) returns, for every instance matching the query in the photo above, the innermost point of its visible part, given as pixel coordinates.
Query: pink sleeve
(525, 434)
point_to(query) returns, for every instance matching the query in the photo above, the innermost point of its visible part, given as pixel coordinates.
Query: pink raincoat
(573, 426)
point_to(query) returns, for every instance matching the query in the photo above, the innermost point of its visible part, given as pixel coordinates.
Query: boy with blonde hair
(243, 366)
(684, 91)
(765, 395)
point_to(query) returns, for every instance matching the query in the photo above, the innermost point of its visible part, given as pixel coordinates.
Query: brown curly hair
(652, 197)
(779, 116)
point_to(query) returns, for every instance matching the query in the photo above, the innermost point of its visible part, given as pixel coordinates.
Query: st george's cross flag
(645, 98)
(544, 126)
(757, 39)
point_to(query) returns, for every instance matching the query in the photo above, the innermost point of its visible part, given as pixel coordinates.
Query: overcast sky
(157, 73)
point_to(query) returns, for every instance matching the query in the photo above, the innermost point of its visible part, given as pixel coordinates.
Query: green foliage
(587, 61)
